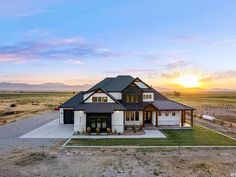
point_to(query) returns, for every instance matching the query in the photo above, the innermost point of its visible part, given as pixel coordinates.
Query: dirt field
(27, 103)
(120, 162)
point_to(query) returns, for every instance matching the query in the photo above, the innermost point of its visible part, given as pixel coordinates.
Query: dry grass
(28, 103)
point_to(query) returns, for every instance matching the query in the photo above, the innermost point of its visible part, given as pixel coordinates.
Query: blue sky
(81, 42)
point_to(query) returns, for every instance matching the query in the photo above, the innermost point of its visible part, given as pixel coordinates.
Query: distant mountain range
(6, 86)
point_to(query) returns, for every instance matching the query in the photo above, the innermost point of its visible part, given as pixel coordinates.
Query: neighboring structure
(121, 101)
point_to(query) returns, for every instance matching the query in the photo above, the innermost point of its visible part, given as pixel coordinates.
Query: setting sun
(188, 81)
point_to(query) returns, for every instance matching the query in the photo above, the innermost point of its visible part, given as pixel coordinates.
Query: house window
(132, 99)
(127, 98)
(136, 99)
(132, 116)
(159, 113)
(94, 99)
(147, 96)
(136, 116)
(127, 116)
(99, 99)
(173, 113)
(104, 99)
(166, 113)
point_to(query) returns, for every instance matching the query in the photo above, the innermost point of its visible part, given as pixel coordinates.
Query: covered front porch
(166, 118)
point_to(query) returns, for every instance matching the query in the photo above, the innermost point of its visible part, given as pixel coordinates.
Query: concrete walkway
(147, 134)
(51, 130)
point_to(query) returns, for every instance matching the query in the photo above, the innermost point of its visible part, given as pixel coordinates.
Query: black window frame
(94, 99)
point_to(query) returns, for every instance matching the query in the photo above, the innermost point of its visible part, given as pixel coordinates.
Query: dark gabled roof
(134, 106)
(170, 105)
(113, 84)
(100, 107)
(158, 96)
(74, 101)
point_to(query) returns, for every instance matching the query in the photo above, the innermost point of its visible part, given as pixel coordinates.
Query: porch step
(150, 128)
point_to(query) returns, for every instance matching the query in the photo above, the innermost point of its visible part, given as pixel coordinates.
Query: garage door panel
(68, 116)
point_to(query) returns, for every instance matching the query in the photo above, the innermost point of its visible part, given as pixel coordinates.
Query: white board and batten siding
(79, 121)
(86, 95)
(109, 100)
(154, 118)
(116, 95)
(117, 121)
(170, 119)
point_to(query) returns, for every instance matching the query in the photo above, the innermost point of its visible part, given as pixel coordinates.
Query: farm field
(221, 105)
(18, 105)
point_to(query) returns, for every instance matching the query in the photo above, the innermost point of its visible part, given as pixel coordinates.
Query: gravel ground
(10, 133)
(168, 162)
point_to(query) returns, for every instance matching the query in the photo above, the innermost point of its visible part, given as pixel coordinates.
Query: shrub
(97, 131)
(13, 105)
(108, 131)
(230, 125)
(88, 130)
(222, 122)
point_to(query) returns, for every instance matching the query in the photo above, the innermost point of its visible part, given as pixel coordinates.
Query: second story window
(127, 98)
(131, 98)
(104, 99)
(94, 99)
(99, 99)
(136, 99)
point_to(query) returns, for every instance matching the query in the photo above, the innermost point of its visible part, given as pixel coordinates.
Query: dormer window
(148, 96)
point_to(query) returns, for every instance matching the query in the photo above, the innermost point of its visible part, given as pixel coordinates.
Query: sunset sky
(168, 44)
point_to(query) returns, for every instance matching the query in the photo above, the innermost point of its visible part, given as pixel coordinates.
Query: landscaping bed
(198, 136)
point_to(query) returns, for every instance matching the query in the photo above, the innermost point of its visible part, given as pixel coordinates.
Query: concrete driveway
(10, 133)
(51, 130)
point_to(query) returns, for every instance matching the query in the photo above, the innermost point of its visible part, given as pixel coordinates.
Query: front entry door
(148, 117)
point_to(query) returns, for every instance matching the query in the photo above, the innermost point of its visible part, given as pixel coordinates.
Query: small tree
(88, 130)
(97, 131)
(177, 94)
(108, 131)
(13, 105)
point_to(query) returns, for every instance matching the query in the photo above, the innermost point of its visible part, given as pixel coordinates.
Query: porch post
(191, 118)
(182, 118)
(156, 118)
(143, 119)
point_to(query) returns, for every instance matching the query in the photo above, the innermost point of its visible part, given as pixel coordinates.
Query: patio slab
(51, 130)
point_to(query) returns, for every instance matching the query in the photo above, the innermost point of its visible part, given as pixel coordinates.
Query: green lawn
(197, 137)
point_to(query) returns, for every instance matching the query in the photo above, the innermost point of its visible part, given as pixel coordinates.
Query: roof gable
(113, 84)
(74, 101)
(100, 90)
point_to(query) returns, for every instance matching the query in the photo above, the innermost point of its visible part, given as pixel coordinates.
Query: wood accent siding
(132, 90)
